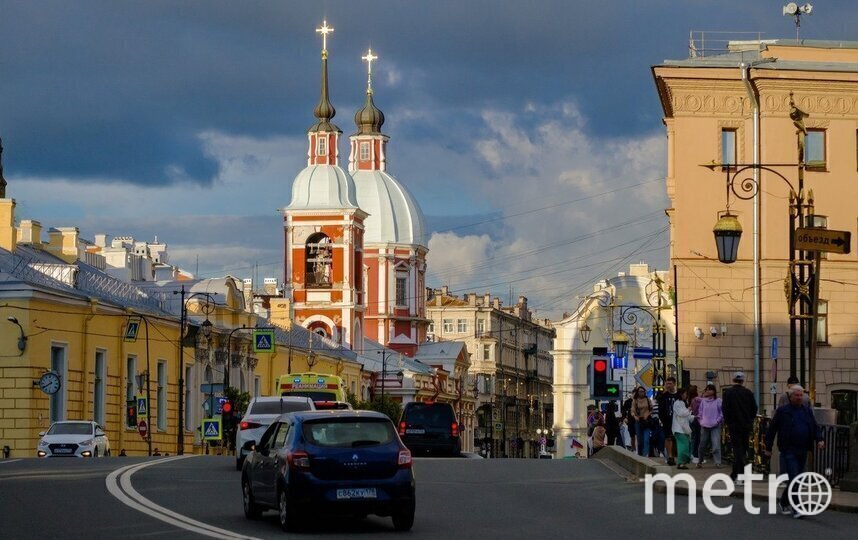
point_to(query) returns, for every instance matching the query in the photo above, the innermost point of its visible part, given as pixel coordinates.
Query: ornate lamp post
(585, 333)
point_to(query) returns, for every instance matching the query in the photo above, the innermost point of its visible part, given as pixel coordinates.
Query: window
(322, 146)
(814, 149)
(462, 325)
(98, 388)
(481, 326)
(846, 404)
(487, 352)
(318, 271)
(401, 291)
(189, 410)
(257, 386)
(448, 326)
(728, 146)
(431, 328)
(822, 322)
(162, 396)
(130, 378)
(364, 151)
(58, 365)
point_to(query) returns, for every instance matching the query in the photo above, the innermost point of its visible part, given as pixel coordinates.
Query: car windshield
(349, 432)
(429, 414)
(275, 407)
(319, 395)
(74, 428)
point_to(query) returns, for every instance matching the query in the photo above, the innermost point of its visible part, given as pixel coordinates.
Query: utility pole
(180, 439)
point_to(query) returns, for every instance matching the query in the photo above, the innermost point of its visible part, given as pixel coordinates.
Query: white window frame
(162, 395)
(817, 164)
(735, 147)
(60, 365)
(448, 326)
(461, 326)
(321, 145)
(257, 386)
(403, 280)
(481, 326)
(487, 351)
(363, 149)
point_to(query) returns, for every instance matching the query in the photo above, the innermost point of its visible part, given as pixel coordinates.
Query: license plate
(415, 431)
(357, 493)
(63, 451)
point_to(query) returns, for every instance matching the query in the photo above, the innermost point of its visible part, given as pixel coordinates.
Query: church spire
(2, 180)
(324, 111)
(369, 119)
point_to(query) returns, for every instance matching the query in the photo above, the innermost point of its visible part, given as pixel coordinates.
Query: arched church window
(319, 266)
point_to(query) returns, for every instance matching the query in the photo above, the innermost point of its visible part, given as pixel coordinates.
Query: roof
(300, 338)
(338, 413)
(323, 187)
(224, 291)
(372, 360)
(394, 215)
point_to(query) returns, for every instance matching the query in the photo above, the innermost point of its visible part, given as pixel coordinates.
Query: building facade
(511, 367)
(731, 108)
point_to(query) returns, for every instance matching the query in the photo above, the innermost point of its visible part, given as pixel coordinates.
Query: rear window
(432, 414)
(71, 429)
(274, 407)
(349, 432)
(315, 396)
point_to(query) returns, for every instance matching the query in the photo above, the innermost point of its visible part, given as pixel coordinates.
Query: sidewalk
(842, 501)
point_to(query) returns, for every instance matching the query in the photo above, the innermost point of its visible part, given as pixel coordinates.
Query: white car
(73, 439)
(260, 413)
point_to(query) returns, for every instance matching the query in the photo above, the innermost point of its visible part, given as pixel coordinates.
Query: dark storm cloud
(120, 90)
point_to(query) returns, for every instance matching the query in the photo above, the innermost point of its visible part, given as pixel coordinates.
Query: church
(354, 240)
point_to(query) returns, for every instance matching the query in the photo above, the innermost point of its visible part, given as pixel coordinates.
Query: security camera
(698, 332)
(713, 331)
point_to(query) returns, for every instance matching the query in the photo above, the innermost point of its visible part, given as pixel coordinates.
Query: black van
(430, 428)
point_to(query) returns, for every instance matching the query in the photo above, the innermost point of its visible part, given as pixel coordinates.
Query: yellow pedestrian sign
(645, 376)
(211, 429)
(263, 341)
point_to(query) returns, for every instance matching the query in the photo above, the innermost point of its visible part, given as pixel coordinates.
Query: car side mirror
(249, 446)
(41, 434)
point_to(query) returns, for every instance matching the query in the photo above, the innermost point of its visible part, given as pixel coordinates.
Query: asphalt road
(457, 498)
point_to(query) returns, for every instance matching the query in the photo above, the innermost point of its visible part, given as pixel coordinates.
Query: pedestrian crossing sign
(142, 407)
(263, 341)
(211, 429)
(132, 329)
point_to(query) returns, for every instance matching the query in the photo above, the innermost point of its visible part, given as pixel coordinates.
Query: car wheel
(403, 519)
(239, 462)
(285, 514)
(95, 452)
(251, 509)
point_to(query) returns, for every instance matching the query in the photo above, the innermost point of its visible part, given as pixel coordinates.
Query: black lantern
(206, 328)
(728, 232)
(400, 376)
(585, 333)
(621, 344)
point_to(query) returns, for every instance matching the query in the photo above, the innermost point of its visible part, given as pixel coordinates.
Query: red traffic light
(600, 366)
(227, 407)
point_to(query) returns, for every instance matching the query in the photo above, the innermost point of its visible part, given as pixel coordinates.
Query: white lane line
(119, 485)
(9, 461)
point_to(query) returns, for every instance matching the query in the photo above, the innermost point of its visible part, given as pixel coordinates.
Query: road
(457, 498)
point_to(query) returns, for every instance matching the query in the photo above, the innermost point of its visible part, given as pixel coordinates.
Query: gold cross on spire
(324, 30)
(369, 58)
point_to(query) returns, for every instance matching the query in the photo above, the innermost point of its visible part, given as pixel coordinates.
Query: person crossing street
(740, 410)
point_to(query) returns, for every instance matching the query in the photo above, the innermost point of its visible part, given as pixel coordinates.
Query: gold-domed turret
(369, 118)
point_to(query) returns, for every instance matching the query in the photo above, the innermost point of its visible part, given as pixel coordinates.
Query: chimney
(472, 299)
(30, 232)
(445, 290)
(8, 235)
(270, 286)
(496, 303)
(487, 299)
(63, 243)
(101, 240)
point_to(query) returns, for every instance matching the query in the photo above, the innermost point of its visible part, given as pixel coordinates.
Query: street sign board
(220, 401)
(142, 428)
(644, 377)
(827, 240)
(142, 407)
(215, 388)
(498, 426)
(212, 429)
(263, 341)
(773, 388)
(132, 329)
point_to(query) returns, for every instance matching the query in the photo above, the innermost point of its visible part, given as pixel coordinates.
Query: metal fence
(833, 460)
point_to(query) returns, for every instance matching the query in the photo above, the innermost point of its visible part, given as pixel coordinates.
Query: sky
(529, 132)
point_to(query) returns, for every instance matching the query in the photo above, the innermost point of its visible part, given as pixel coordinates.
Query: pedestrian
(665, 400)
(122, 453)
(625, 434)
(612, 424)
(784, 399)
(740, 410)
(681, 428)
(710, 416)
(156, 452)
(694, 405)
(797, 431)
(630, 420)
(599, 436)
(641, 411)
(656, 437)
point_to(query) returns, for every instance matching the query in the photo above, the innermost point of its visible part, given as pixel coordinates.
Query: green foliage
(240, 401)
(388, 406)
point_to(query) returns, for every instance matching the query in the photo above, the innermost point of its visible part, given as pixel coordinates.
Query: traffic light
(131, 413)
(226, 408)
(599, 376)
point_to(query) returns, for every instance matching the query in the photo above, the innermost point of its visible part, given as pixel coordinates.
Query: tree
(388, 406)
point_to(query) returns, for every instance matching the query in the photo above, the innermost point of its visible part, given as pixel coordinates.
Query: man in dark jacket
(740, 409)
(665, 400)
(797, 431)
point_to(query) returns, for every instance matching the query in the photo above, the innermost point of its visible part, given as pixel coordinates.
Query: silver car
(73, 439)
(261, 412)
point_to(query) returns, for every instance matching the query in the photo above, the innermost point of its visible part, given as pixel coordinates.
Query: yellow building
(732, 107)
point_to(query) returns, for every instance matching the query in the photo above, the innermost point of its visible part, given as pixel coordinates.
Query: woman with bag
(642, 412)
(682, 429)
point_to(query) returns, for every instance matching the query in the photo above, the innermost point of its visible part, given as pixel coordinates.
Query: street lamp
(22, 340)
(400, 377)
(728, 232)
(207, 330)
(585, 333)
(621, 344)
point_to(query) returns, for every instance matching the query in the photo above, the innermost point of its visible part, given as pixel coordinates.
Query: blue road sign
(263, 341)
(131, 330)
(211, 429)
(642, 353)
(775, 348)
(220, 401)
(618, 362)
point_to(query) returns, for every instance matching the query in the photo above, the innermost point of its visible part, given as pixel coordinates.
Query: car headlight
(87, 442)
(42, 444)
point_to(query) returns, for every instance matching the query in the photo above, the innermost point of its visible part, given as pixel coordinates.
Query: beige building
(510, 363)
(732, 106)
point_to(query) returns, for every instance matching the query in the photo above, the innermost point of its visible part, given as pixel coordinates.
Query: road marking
(9, 461)
(119, 485)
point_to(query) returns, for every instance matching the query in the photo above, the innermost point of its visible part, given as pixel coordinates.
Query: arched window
(318, 272)
(846, 403)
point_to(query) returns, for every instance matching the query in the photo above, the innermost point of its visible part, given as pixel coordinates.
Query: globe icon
(809, 493)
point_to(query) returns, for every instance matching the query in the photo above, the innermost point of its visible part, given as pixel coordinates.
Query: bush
(388, 406)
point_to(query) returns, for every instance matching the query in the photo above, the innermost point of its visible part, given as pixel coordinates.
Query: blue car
(338, 462)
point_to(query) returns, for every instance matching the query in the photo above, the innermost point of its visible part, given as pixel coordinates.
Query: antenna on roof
(793, 10)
